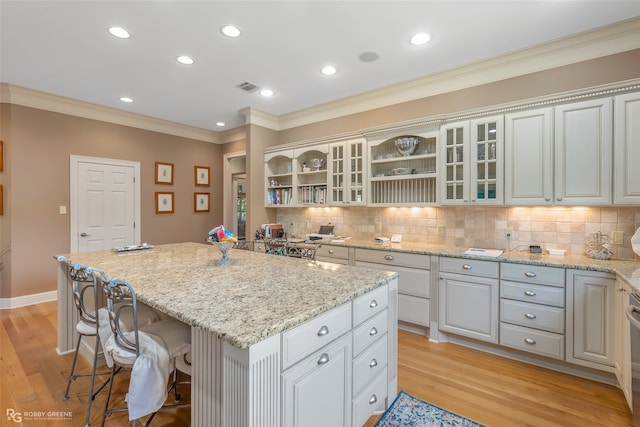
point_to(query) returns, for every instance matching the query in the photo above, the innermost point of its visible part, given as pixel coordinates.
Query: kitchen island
(255, 322)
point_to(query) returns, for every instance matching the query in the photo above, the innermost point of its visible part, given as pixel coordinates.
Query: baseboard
(8, 303)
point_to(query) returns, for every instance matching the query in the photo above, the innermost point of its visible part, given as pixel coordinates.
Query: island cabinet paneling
(532, 309)
(413, 285)
(468, 298)
(334, 254)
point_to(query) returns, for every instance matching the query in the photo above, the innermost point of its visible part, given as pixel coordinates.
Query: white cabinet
(278, 170)
(334, 254)
(532, 309)
(583, 153)
(626, 179)
(590, 319)
(414, 281)
(468, 298)
(310, 185)
(317, 391)
(347, 169)
(403, 178)
(622, 337)
(472, 161)
(528, 159)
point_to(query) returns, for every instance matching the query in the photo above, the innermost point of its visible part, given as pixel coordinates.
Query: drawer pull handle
(389, 257)
(530, 293)
(373, 399)
(330, 251)
(373, 331)
(530, 315)
(373, 363)
(373, 304)
(323, 331)
(323, 359)
(466, 266)
(530, 274)
(530, 341)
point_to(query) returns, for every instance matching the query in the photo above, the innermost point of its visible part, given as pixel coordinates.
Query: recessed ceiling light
(329, 70)
(221, 124)
(230, 31)
(420, 39)
(185, 60)
(126, 99)
(266, 93)
(119, 32)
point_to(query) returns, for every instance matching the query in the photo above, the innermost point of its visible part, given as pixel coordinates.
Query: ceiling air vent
(249, 87)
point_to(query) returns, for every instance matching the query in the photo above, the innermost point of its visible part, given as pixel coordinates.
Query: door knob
(83, 234)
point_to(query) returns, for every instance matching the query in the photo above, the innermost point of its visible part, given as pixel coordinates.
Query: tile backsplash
(484, 227)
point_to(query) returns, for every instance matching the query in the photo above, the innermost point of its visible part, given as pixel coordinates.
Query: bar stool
(149, 351)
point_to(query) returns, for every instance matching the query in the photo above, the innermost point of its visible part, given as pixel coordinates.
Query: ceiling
(63, 48)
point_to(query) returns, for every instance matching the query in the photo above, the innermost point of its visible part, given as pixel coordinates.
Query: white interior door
(105, 200)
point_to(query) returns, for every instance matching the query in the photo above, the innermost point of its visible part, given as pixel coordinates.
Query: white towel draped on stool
(150, 373)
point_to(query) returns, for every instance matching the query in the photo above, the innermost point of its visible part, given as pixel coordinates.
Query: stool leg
(73, 368)
(106, 405)
(93, 379)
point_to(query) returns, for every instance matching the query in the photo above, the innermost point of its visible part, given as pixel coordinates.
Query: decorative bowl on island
(224, 248)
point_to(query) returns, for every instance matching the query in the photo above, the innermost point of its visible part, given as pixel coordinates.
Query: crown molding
(616, 38)
(18, 95)
(260, 118)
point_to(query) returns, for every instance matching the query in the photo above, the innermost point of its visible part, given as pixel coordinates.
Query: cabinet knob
(546, 199)
(323, 331)
(530, 293)
(559, 199)
(373, 331)
(324, 358)
(530, 341)
(373, 363)
(373, 399)
(330, 251)
(466, 266)
(389, 257)
(373, 304)
(530, 315)
(530, 274)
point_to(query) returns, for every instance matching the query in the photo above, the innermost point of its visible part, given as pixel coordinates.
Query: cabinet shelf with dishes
(402, 170)
(311, 175)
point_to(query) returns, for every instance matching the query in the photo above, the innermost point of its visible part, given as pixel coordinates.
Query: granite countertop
(255, 297)
(627, 270)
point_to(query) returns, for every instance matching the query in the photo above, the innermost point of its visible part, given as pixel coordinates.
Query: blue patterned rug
(407, 410)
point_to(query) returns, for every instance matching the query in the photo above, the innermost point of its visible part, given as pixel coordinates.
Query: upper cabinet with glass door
(311, 185)
(472, 162)
(347, 185)
(402, 170)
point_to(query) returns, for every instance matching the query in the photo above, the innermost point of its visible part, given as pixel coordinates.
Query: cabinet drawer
(258, 247)
(369, 364)
(539, 294)
(413, 309)
(332, 260)
(532, 315)
(318, 332)
(470, 266)
(365, 334)
(531, 340)
(394, 258)
(370, 304)
(327, 251)
(372, 399)
(551, 276)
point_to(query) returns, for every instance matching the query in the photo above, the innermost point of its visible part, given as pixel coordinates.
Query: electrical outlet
(508, 232)
(442, 231)
(617, 237)
(378, 226)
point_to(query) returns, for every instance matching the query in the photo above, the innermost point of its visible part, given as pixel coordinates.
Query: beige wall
(41, 142)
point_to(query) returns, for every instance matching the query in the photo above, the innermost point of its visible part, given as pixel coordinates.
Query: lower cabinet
(414, 283)
(468, 298)
(622, 339)
(591, 318)
(334, 254)
(317, 391)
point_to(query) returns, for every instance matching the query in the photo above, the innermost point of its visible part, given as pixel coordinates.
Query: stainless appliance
(633, 314)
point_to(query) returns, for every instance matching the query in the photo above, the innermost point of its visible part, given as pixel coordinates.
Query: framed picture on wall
(201, 176)
(164, 202)
(201, 202)
(164, 173)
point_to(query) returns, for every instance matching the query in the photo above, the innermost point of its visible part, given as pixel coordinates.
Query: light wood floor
(489, 389)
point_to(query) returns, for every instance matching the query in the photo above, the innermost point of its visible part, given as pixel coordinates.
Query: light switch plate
(617, 237)
(396, 238)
